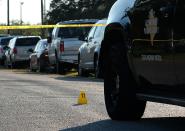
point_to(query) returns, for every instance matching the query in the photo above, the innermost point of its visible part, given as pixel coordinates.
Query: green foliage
(24, 32)
(3, 31)
(61, 10)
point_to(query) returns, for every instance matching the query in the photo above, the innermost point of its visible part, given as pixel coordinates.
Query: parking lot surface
(34, 101)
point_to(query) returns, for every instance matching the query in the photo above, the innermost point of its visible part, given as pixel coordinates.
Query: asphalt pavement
(48, 102)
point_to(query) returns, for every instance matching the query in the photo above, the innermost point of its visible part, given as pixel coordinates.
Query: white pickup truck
(65, 42)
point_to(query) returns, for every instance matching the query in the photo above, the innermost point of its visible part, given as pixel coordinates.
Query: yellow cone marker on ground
(82, 99)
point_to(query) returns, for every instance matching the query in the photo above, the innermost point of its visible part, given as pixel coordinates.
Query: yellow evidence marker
(82, 99)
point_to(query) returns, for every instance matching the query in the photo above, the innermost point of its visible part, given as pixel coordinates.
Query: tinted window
(91, 33)
(181, 4)
(5, 41)
(73, 32)
(37, 47)
(27, 41)
(99, 32)
(140, 2)
(157, 2)
(42, 45)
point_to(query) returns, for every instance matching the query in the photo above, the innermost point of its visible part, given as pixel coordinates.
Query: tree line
(61, 10)
(25, 32)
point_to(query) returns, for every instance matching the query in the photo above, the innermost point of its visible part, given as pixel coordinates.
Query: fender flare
(105, 42)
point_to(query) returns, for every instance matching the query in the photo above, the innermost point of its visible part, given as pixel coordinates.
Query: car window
(43, 45)
(73, 32)
(37, 47)
(160, 2)
(27, 41)
(99, 32)
(138, 2)
(181, 3)
(91, 33)
(5, 41)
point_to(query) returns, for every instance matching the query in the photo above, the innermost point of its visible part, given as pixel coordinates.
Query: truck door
(179, 42)
(87, 57)
(152, 45)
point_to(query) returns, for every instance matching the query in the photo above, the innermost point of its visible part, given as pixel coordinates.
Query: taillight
(15, 50)
(1, 50)
(62, 46)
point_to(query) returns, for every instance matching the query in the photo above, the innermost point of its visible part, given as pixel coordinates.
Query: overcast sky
(31, 11)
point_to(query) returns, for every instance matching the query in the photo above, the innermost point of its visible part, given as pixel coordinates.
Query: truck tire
(120, 87)
(59, 68)
(13, 65)
(41, 68)
(2, 62)
(82, 72)
(31, 68)
(97, 70)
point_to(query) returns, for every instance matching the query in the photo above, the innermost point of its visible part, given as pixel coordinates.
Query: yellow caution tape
(48, 26)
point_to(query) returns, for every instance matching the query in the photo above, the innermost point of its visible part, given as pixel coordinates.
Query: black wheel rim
(113, 78)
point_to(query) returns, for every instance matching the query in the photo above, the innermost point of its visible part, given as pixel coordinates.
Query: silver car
(89, 51)
(19, 49)
(3, 43)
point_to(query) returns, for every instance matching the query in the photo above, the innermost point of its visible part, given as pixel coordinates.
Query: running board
(167, 99)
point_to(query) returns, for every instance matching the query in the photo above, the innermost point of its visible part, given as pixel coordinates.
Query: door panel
(98, 36)
(179, 42)
(88, 47)
(152, 46)
(83, 55)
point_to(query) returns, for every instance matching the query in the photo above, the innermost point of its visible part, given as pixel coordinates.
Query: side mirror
(49, 39)
(90, 39)
(30, 50)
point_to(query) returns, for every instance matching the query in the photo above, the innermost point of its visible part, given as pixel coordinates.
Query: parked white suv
(65, 42)
(19, 49)
(3, 43)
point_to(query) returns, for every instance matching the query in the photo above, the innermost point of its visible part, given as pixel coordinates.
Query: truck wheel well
(114, 32)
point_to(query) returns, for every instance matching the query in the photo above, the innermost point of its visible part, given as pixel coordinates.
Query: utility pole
(21, 21)
(42, 12)
(42, 17)
(21, 4)
(8, 15)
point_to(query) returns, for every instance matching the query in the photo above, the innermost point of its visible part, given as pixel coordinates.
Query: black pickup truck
(143, 56)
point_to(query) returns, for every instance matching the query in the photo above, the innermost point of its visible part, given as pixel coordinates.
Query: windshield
(27, 41)
(73, 32)
(42, 45)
